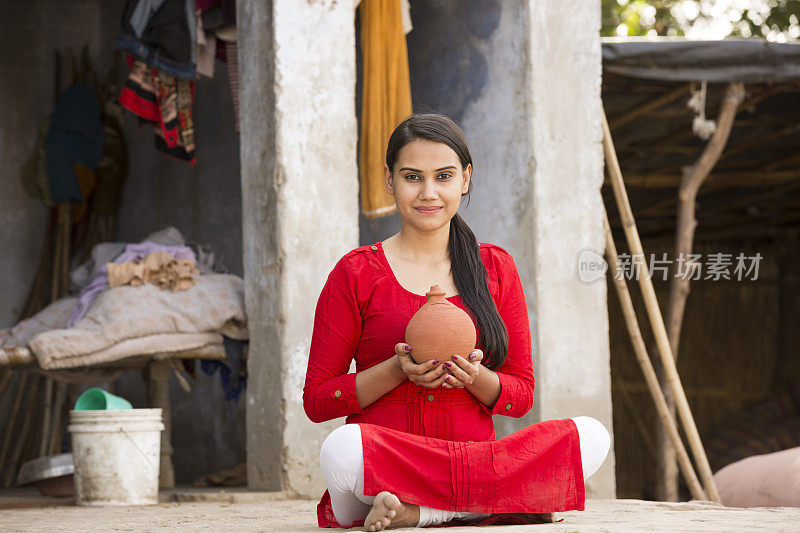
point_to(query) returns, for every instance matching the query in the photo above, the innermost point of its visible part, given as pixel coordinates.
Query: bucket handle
(146, 458)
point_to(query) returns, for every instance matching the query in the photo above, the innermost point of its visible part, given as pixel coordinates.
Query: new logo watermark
(714, 266)
(591, 266)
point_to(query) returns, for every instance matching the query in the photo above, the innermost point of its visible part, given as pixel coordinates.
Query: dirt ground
(214, 510)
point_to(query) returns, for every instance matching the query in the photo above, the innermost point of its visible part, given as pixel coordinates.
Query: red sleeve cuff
(344, 390)
(513, 401)
(334, 398)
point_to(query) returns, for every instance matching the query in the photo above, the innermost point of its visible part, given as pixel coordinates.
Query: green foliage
(777, 20)
(640, 16)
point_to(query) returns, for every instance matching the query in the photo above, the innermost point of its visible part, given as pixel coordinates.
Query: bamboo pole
(673, 381)
(639, 349)
(693, 178)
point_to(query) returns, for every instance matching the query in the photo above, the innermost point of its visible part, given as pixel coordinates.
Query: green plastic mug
(95, 399)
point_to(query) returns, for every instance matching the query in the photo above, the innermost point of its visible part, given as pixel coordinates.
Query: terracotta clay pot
(440, 330)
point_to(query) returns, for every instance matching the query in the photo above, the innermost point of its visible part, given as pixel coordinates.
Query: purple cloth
(132, 252)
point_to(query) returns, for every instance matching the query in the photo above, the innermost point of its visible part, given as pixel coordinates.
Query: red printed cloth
(164, 102)
(361, 314)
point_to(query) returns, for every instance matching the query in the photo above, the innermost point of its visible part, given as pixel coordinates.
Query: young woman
(419, 446)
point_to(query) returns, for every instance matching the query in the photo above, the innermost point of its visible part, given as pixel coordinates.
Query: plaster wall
(300, 194)
(30, 32)
(522, 79)
(497, 124)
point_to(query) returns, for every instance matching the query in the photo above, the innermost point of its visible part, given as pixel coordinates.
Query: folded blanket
(100, 282)
(53, 316)
(127, 321)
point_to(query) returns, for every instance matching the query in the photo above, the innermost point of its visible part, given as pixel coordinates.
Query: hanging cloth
(164, 102)
(386, 97)
(75, 138)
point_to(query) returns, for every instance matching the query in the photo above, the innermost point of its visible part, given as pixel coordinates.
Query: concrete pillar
(299, 211)
(571, 317)
(535, 135)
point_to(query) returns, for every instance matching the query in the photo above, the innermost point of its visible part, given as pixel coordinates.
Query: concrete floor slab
(231, 510)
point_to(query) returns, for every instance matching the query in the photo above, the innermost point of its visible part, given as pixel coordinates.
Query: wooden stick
(72, 397)
(639, 349)
(22, 439)
(55, 274)
(12, 420)
(762, 139)
(661, 101)
(691, 182)
(57, 424)
(722, 179)
(108, 228)
(791, 159)
(91, 238)
(65, 210)
(673, 381)
(158, 375)
(44, 444)
(33, 409)
(5, 381)
(693, 178)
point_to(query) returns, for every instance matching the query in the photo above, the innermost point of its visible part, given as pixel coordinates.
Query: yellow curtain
(386, 97)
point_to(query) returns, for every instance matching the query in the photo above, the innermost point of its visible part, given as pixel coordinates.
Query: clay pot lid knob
(435, 295)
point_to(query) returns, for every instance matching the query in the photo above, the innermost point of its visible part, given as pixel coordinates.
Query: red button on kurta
(361, 314)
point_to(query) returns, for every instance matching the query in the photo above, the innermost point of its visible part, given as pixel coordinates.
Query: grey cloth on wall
(168, 236)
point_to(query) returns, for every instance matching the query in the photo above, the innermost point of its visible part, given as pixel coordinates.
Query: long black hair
(469, 273)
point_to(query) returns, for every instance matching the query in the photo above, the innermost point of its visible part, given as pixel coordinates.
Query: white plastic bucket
(116, 456)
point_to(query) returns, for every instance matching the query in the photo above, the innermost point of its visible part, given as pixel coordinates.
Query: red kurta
(442, 436)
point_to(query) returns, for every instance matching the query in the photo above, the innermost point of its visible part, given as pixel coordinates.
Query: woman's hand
(462, 372)
(430, 374)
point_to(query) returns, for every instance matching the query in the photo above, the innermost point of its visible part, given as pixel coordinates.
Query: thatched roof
(754, 189)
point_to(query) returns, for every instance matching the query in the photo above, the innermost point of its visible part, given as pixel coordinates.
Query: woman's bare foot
(389, 512)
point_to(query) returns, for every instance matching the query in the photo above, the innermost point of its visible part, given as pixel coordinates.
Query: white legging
(342, 461)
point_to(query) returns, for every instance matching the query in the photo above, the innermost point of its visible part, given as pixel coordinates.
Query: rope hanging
(701, 126)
